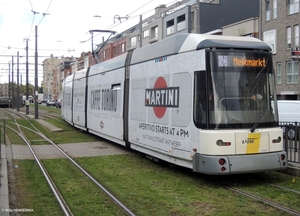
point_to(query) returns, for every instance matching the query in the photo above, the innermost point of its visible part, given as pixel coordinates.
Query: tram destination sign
(241, 61)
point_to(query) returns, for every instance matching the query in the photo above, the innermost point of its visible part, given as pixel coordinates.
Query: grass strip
(147, 188)
(32, 190)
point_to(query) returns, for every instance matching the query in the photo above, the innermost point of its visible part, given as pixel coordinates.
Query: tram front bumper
(237, 164)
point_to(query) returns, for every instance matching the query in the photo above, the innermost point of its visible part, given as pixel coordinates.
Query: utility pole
(36, 77)
(27, 88)
(9, 99)
(12, 83)
(18, 88)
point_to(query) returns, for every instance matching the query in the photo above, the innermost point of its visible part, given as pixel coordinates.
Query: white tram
(199, 101)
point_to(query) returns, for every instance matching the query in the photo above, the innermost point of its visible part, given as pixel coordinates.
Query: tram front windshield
(236, 91)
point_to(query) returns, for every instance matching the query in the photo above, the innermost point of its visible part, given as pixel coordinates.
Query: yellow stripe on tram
(253, 143)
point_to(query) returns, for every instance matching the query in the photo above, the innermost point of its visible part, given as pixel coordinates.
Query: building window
(292, 71)
(133, 42)
(146, 33)
(192, 20)
(123, 47)
(181, 22)
(270, 39)
(267, 10)
(296, 35)
(288, 37)
(154, 34)
(278, 67)
(170, 27)
(274, 9)
(293, 6)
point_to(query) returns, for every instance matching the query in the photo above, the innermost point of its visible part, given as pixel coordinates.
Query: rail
(291, 135)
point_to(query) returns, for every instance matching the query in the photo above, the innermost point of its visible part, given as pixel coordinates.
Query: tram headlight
(278, 140)
(222, 143)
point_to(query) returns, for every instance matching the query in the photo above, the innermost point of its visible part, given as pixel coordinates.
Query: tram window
(116, 87)
(200, 99)
(115, 96)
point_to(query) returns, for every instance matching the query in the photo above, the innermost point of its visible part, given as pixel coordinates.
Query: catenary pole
(9, 86)
(12, 83)
(36, 77)
(18, 88)
(27, 87)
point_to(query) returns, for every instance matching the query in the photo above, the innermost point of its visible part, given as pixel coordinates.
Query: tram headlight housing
(222, 143)
(278, 140)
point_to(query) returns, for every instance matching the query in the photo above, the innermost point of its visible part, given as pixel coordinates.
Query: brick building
(280, 21)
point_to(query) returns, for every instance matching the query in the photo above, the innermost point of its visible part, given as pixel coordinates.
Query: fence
(291, 134)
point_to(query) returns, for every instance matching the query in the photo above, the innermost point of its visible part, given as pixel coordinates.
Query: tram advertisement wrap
(163, 134)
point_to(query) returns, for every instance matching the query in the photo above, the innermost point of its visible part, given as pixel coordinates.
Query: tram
(204, 102)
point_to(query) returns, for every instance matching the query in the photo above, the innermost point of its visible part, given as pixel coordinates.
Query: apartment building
(186, 16)
(4, 89)
(280, 21)
(54, 70)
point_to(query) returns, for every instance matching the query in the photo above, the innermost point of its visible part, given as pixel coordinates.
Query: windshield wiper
(259, 117)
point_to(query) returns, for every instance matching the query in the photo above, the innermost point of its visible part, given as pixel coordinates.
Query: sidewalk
(46, 124)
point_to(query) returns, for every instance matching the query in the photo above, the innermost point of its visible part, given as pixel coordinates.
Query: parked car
(289, 115)
(58, 103)
(44, 100)
(31, 99)
(51, 102)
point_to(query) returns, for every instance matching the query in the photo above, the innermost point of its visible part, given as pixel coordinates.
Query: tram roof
(80, 74)
(179, 43)
(114, 63)
(187, 42)
(69, 78)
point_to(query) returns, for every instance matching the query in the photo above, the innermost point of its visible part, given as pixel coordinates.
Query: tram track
(261, 199)
(58, 196)
(263, 187)
(42, 113)
(284, 188)
(251, 195)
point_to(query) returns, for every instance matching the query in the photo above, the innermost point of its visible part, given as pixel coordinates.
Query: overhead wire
(32, 23)
(127, 18)
(110, 27)
(30, 32)
(34, 12)
(46, 13)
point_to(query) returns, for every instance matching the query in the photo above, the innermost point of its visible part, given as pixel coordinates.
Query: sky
(62, 29)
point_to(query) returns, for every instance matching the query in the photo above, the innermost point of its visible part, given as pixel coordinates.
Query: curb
(4, 196)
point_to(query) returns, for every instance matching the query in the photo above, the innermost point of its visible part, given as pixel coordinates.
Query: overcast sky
(62, 27)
